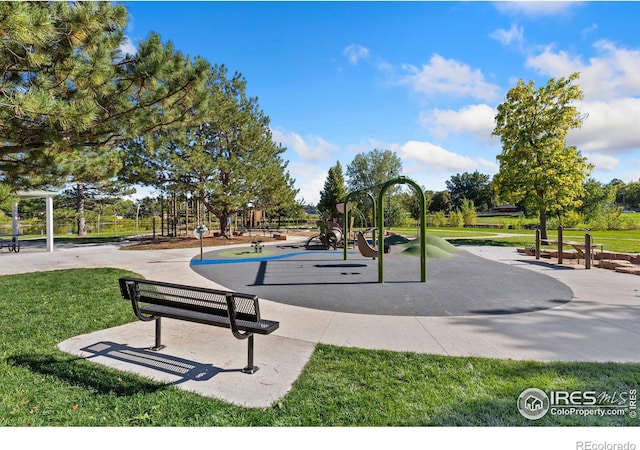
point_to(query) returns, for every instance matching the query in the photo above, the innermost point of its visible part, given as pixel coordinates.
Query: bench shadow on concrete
(184, 369)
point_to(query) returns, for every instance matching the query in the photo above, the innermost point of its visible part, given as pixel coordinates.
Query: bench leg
(158, 345)
(250, 367)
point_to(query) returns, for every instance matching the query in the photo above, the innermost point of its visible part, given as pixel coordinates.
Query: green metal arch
(423, 226)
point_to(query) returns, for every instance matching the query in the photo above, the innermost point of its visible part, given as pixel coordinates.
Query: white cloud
(535, 9)
(586, 31)
(309, 180)
(313, 148)
(611, 127)
(128, 47)
(610, 81)
(449, 77)
(506, 37)
(613, 73)
(434, 158)
(477, 120)
(554, 64)
(355, 53)
(602, 162)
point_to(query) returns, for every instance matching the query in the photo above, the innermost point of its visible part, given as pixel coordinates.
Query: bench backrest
(204, 300)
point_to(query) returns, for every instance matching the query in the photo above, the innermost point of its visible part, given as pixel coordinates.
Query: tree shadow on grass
(78, 372)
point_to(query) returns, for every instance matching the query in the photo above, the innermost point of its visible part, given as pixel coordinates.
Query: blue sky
(422, 79)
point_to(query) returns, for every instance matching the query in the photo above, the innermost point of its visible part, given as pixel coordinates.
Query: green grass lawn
(42, 386)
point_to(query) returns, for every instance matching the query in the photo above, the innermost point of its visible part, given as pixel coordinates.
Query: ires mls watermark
(535, 403)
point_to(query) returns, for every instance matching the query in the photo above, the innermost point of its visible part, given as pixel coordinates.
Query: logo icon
(533, 403)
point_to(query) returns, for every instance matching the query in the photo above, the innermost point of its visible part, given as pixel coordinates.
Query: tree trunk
(225, 228)
(543, 224)
(82, 226)
(222, 216)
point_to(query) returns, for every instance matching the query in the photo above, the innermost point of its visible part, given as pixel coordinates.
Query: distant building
(506, 208)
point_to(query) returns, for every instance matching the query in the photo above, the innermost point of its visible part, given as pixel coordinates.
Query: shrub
(571, 219)
(456, 219)
(439, 219)
(469, 213)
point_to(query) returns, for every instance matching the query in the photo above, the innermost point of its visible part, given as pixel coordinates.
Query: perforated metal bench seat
(260, 327)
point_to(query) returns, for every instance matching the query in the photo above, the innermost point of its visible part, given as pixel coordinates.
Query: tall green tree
(66, 88)
(334, 192)
(441, 201)
(411, 202)
(373, 168)
(537, 168)
(597, 198)
(475, 187)
(630, 195)
(368, 171)
(229, 161)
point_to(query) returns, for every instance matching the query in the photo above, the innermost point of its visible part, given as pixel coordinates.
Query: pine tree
(229, 161)
(67, 88)
(334, 191)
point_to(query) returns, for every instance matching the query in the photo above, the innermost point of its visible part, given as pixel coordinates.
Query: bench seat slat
(260, 327)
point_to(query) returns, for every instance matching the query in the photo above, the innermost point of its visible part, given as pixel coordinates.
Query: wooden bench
(152, 300)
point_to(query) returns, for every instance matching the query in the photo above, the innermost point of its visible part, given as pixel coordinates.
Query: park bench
(12, 245)
(153, 300)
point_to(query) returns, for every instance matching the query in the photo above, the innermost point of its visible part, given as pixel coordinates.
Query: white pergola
(28, 195)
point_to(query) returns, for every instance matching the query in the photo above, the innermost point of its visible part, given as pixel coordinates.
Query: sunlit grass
(42, 386)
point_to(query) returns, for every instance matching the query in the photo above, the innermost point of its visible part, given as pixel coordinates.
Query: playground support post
(346, 221)
(423, 227)
(587, 251)
(560, 246)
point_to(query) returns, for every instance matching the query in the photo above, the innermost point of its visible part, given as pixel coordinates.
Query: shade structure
(28, 195)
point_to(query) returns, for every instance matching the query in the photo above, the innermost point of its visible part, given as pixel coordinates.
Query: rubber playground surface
(458, 282)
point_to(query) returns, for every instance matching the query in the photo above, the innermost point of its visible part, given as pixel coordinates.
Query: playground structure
(379, 215)
(330, 235)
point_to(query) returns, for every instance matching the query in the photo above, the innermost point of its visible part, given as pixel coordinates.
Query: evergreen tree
(334, 191)
(536, 166)
(229, 161)
(68, 90)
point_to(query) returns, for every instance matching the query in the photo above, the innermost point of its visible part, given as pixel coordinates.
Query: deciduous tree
(475, 187)
(369, 171)
(537, 168)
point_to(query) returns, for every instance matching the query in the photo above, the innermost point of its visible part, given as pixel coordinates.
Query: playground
(338, 272)
(459, 283)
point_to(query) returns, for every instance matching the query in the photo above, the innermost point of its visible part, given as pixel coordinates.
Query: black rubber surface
(461, 285)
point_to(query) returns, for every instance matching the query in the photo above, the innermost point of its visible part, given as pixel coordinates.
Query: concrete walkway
(599, 324)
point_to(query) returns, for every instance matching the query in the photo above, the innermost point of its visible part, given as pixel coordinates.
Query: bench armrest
(233, 315)
(133, 294)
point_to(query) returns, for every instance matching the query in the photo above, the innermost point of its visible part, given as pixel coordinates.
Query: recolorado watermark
(535, 403)
(589, 445)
